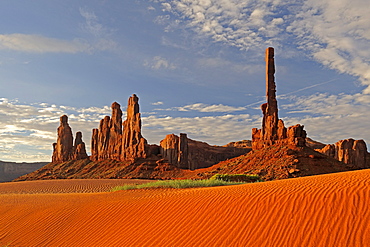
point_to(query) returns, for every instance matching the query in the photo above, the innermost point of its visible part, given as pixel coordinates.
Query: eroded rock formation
(349, 151)
(175, 150)
(134, 145)
(64, 149)
(273, 130)
(186, 153)
(120, 141)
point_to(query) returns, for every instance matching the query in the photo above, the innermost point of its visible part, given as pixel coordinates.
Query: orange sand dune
(66, 186)
(325, 210)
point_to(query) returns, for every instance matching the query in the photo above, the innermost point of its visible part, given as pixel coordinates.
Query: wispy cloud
(201, 107)
(158, 62)
(40, 44)
(337, 33)
(334, 33)
(31, 128)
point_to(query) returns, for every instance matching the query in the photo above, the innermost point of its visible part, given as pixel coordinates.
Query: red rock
(349, 151)
(103, 138)
(115, 133)
(273, 130)
(183, 156)
(79, 150)
(189, 154)
(170, 148)
(94, 145)
(63, 149)
(134, 145)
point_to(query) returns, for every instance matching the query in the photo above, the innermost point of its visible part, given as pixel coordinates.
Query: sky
(197, 67)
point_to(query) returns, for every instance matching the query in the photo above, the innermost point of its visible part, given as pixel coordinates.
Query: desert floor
(325, 210)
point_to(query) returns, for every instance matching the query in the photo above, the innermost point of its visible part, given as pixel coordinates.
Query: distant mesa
(119, 150)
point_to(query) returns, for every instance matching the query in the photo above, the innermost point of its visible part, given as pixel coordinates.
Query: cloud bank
(334, 33)
(40, 44)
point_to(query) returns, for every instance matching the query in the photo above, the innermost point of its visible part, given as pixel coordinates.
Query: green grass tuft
(177, 184)
(237, 178)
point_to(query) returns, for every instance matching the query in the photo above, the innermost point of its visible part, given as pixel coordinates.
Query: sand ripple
(326, 210)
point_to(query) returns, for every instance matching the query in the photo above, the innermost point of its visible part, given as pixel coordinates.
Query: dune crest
(324, 210)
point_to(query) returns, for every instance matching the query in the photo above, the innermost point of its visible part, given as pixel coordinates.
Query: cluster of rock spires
(64, 149)
(120, 140)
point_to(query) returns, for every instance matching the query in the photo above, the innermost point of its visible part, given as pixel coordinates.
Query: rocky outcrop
(134, 145)
(64, 149)
(79, 149)
(189, 154)
(175, 150)
(120, 141)
(349, 151)
(115, 133)
(273, 130)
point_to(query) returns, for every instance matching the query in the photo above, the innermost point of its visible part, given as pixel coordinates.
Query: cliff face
(64, 149)
(189, 154)
(273, 130)
(349, 151)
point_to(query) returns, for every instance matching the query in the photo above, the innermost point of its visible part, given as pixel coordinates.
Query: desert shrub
(177, 184)
(236, 178)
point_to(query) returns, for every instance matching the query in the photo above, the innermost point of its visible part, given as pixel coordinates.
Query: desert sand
(323, 210)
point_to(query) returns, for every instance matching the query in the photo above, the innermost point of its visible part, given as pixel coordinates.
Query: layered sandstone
(79, 149)
(120, 141)
(134, 145)
(175, 150)
(186, 153)
(64, 149)
(273, 130)
(349, 151)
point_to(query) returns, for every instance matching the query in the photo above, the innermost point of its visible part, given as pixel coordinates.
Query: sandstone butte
(118, 149)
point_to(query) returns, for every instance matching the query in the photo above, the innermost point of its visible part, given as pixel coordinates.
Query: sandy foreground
(325, 210)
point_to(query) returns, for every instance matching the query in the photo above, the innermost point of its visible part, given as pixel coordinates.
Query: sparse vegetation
(177, 184)
(237, 178)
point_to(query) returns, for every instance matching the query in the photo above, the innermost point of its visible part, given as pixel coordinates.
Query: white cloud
(31, 128)
(217, 130)
(200, 107)
(40, 44)
(334, 33)
(158, 62)
(337, 35)
(157, 103)
(28, 130)
(330, 118)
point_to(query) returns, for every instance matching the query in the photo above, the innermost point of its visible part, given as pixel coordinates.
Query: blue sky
(197, 67)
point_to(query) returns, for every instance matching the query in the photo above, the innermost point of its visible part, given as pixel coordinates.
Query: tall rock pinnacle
(270, 109)
(63, 149)
(273, 130)
(133, 143)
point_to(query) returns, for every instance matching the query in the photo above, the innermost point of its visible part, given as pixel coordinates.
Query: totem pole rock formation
(134, 145)
(63, 149)
(273, 130)
(349, 151)
(110, 141)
